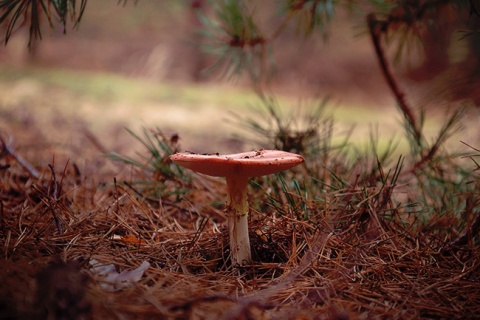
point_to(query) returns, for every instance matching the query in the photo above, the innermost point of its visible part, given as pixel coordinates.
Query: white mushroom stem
(237, 213)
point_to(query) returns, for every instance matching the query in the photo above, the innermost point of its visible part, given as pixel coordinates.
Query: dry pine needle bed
(68, 227)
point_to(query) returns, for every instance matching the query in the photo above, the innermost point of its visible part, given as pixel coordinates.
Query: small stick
(58, 222)
(375, 31)
(93, 139)
(24, 163)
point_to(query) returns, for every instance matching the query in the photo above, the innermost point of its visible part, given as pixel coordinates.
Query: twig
(58, 222)
(64, 173)
(203, 224)
(376, 27)
(93, 139)
(7, 148)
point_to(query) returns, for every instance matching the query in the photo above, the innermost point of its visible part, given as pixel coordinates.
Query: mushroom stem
(237, 213)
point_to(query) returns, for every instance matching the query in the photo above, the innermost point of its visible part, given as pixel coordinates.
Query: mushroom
(237, 169)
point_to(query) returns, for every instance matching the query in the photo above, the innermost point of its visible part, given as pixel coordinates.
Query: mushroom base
(237, 214)
(239, 239)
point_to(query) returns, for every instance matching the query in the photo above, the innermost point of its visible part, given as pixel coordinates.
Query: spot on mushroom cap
(250, 164)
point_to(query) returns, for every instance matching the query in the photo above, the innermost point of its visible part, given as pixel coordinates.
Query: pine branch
(376, 28)
(33, 11)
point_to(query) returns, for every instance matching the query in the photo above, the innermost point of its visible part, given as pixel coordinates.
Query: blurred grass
(111, 88)
(101, 98)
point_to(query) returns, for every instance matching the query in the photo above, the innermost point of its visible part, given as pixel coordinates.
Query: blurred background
(140, 65)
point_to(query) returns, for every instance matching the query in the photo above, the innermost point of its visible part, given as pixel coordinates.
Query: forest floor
(329, 242)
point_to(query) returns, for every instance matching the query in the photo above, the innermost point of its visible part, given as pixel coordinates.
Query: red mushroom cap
(250, 164)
